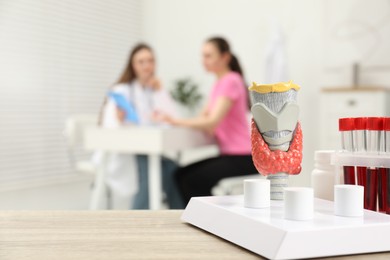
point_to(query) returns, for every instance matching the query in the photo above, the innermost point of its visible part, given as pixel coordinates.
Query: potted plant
(186, 94)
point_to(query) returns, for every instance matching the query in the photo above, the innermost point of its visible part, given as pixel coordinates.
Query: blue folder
(125, 105)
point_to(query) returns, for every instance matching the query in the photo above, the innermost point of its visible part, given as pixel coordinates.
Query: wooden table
(114, 235)
(148, 140)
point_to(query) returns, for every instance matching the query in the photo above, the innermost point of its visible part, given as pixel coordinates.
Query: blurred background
(58, 59)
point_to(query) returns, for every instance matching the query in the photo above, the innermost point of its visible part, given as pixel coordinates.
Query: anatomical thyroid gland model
(276, 134)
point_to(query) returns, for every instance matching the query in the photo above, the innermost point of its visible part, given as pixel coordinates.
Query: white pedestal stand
(267, 233)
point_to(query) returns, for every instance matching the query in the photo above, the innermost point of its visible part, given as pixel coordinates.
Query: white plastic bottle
(323, 175)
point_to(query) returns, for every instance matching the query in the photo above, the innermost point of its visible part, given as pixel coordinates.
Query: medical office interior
(59, 61)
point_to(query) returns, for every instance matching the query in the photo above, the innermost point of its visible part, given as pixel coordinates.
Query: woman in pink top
(225, 116)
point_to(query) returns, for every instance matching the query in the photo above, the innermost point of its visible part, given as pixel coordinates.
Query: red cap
(386, 123)
(360, 123)
(375, 123)
(346, 124)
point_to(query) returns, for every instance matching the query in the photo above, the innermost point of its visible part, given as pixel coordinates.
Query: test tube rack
(342, 158)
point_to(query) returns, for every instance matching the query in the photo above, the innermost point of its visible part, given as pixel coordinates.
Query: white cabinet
(349, 102)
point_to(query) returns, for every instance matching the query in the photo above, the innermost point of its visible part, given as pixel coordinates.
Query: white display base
(267, 233)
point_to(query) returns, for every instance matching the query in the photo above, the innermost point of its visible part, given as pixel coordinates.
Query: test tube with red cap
(360, 146)
(384, 180)
(346, 128)
(374, 146)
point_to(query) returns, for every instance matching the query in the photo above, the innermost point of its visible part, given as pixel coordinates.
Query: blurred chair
(233, 185)
(74, 135)
(80, 160)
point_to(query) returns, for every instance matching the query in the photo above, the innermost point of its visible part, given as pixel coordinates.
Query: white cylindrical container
(257, 193)
(298, 203)
(323, 175)
(348, 200)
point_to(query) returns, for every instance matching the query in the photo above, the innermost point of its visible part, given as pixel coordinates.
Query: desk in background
(151, 141)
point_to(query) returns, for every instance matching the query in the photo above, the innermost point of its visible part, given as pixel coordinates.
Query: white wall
(178, 28)
(58, 58)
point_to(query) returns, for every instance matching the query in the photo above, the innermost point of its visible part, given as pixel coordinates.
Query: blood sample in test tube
(360, 145)
(383, 190)
(383, 173)
(374, 135)
(346, 128)
(384, 205)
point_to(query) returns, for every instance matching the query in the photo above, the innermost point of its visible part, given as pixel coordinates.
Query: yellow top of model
(276, 87)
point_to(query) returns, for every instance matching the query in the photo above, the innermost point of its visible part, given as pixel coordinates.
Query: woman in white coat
(136, 99)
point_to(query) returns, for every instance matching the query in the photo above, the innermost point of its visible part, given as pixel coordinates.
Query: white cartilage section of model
(276, 128)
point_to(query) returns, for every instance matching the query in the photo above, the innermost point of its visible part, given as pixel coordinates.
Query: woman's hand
(121, 114)
(207, 121)
(154, 83)
(162, 117)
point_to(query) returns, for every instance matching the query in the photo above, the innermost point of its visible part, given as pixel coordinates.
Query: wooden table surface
(114, 235)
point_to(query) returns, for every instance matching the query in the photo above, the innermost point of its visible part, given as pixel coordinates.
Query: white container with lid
(298, 203)
(257, 193)
(323, 176)
(349, 200)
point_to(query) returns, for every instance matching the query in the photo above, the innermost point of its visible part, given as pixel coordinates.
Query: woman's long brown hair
(128, 74)
(224, 47)
(234, 65)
